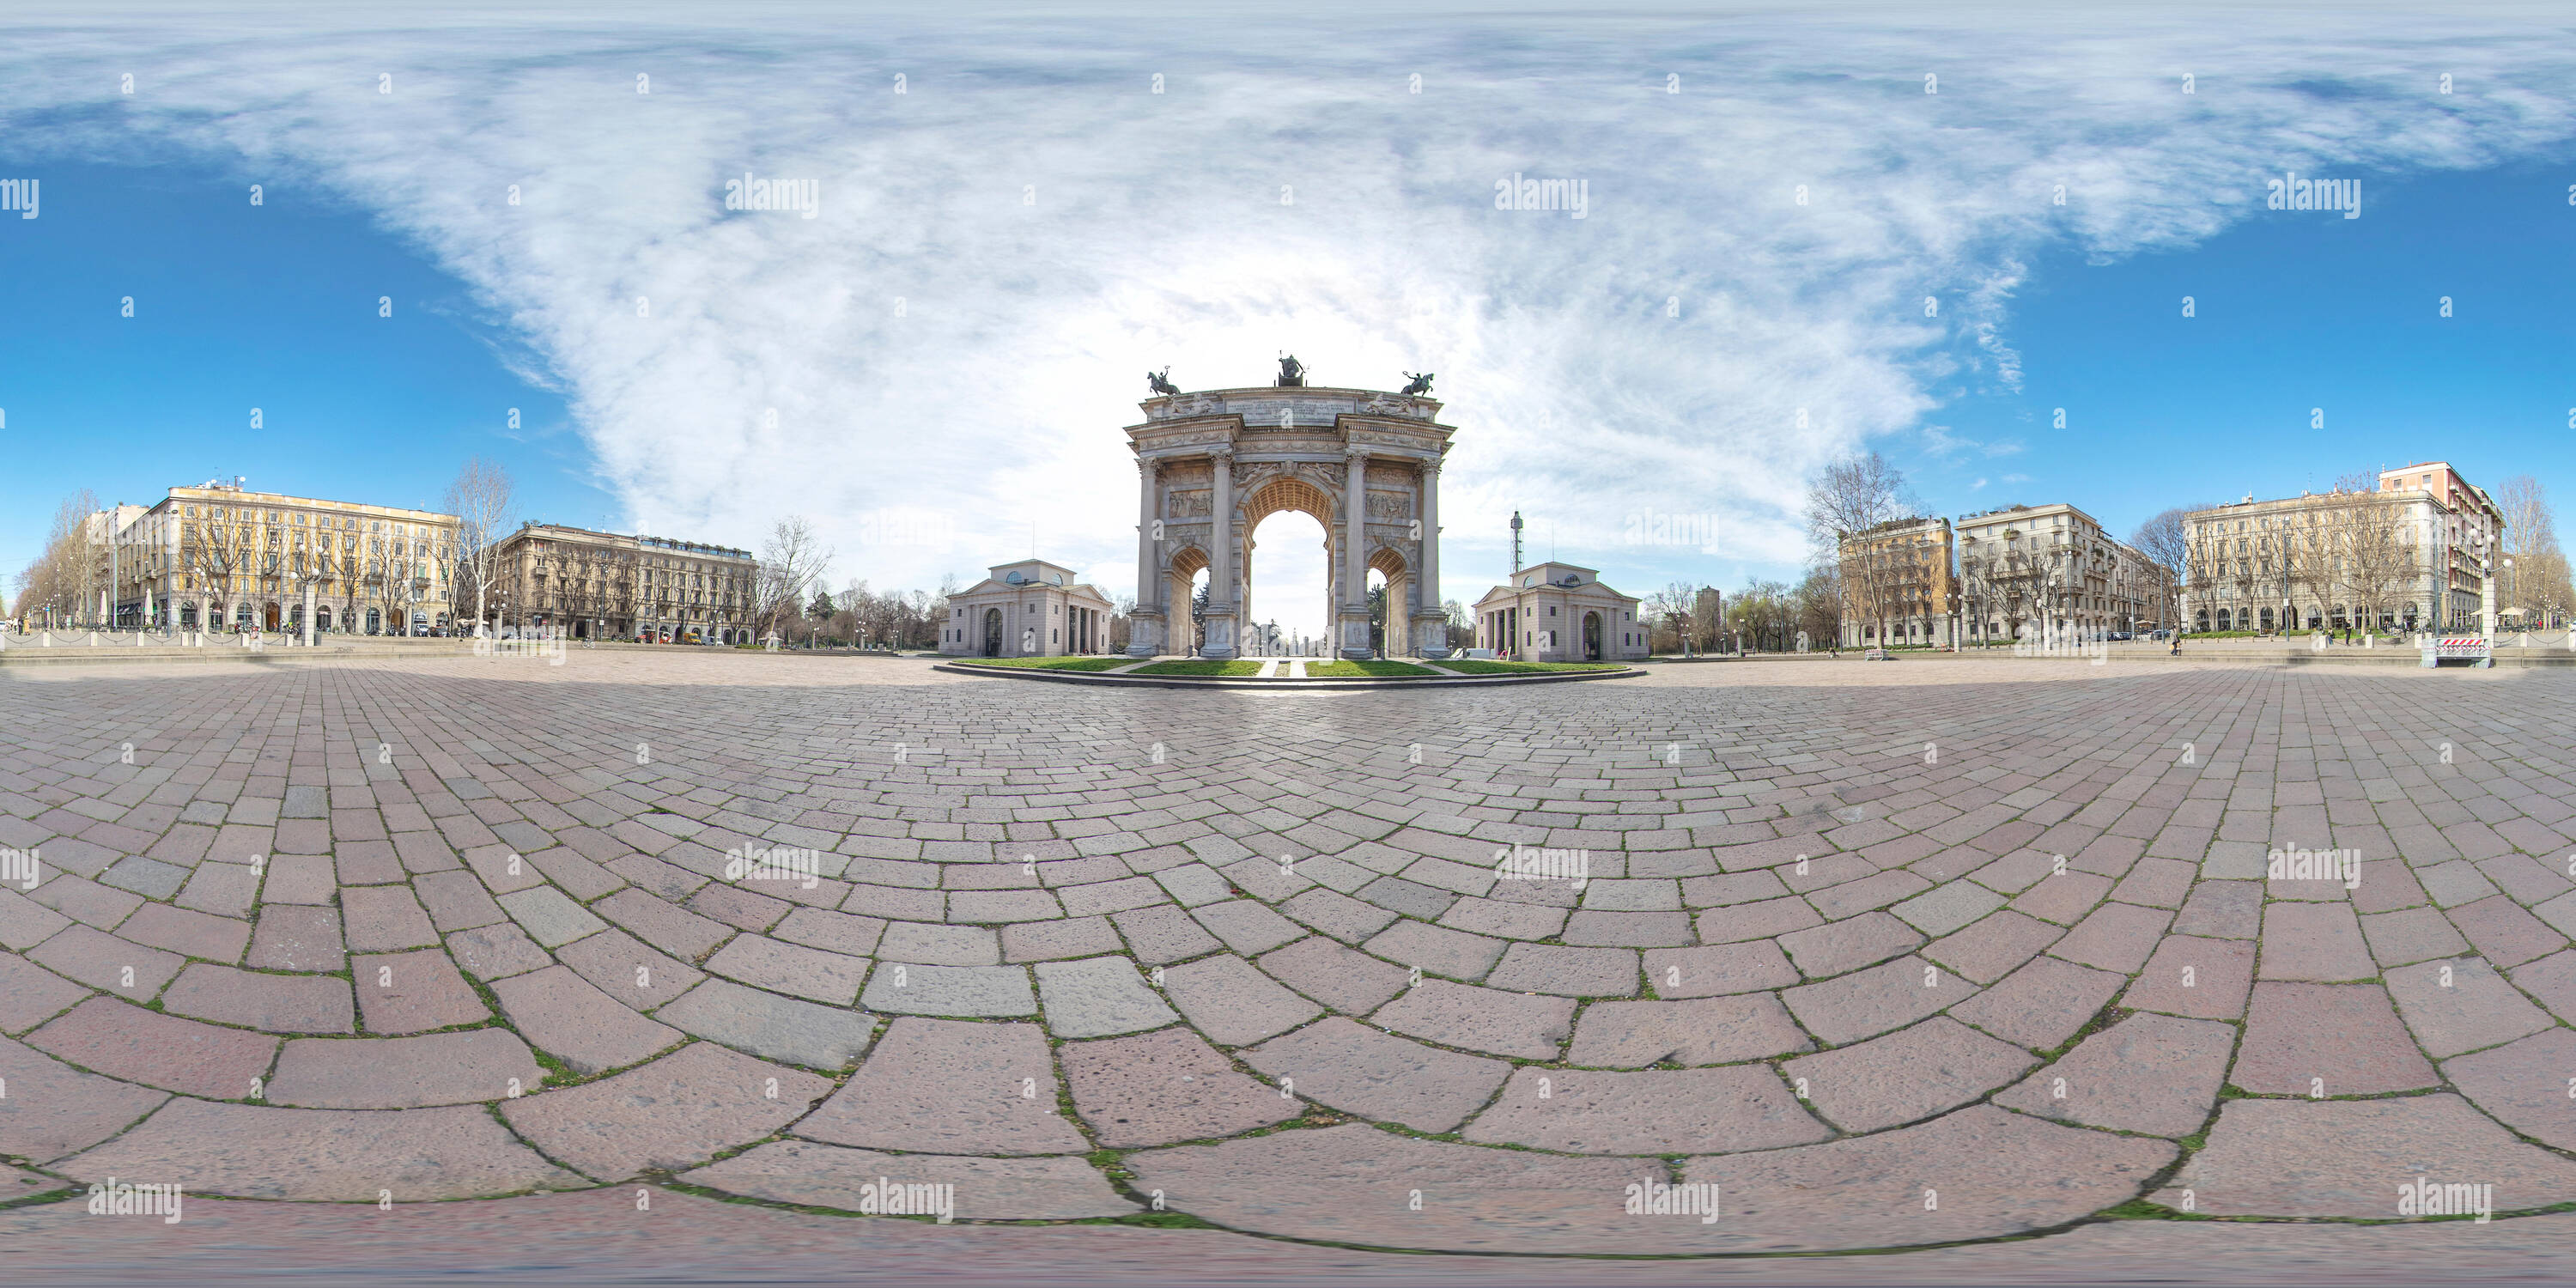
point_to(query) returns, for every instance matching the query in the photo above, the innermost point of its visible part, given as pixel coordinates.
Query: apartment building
(2412, 554)
(219, 556)
(2053, 567)
(1897, 585)
(611, 585)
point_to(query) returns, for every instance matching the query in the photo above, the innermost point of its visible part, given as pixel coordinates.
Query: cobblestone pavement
(1878, 956)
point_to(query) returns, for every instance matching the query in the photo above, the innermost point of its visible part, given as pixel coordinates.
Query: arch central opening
(1287, 584)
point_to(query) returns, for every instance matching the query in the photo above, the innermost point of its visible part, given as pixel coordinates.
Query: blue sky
(1005, 246)
(2294, 311)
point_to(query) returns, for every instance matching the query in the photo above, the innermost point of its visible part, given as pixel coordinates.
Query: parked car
(2120, 636)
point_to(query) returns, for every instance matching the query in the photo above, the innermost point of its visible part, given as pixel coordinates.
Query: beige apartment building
(2411, 555)
(1897, 586)
(219, 556)
(612, 585)
(2053, 568)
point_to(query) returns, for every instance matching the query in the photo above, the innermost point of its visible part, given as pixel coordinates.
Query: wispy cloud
(1001, 249)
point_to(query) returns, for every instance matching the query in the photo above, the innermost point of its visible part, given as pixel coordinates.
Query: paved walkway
(1885, 956)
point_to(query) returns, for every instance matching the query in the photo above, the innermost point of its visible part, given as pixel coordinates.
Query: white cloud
(1158, 235)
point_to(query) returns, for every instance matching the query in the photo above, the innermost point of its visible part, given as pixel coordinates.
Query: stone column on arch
(1434, 631)
(1355, 623)
(1144, 622)
(1220, 623)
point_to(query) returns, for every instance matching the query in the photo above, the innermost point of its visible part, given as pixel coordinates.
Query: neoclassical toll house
(1212, 465)
(1027, 608)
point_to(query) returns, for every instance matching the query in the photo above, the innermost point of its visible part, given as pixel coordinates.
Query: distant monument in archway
(1364, 463)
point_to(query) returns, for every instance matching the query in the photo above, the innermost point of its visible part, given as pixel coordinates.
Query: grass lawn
(1481, 666)
(1345, 670)
(1052, 663)
(1202, 667)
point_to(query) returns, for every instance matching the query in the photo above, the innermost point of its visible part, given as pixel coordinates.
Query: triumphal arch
(1212, 465)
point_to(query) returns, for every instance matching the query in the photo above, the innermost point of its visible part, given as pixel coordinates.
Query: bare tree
(2166, 543)
(482, 502)
(59, 582)
(2370, 554)
(2537, 583)
(789, 563)
(1851, 497)
(1671, 607)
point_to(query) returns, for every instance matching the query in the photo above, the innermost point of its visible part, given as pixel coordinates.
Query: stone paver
(1872, 1001)
(1532, 1027)
(2524, 1085)
(1376, 1075)
(414, 992)
(979, 1189)
(2344, 1038)
(1232, 1003)
(53, 1109)
(1910, 1074)
(561, 1014)
(795, 969)
(403, 1073)
(1098, 997)
(1592, 1112)
(323, 1155)
(2150, 1073)
(676, 1112)
(1716, 1030)
(290, 937)
(2347, 1158)
(1162, 1088)
(1786, 901)
(903, 988)
(2314, 941)
(256, 1000)
(30, 994)
(949, 1086)
(770, 1026)
(2461, 1004)
(135, 1045)
(1344, 979)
